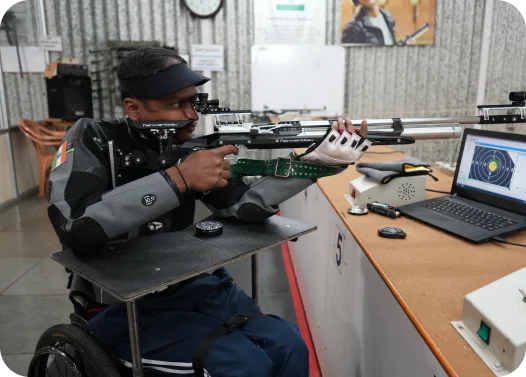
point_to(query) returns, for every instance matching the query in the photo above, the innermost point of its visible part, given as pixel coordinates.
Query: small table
(137, 267)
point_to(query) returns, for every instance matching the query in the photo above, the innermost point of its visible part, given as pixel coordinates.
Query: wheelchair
(70, 350)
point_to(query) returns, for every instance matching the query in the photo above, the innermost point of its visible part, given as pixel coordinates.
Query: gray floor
(33, 293)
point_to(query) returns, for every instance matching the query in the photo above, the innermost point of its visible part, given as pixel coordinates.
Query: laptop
(488, 196)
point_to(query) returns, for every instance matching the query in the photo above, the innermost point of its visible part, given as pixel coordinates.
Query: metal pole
(254, 260)
(485, 51)
(134, 339)
(418, 133)
(4, 123)
(405, 121)
(207, 37)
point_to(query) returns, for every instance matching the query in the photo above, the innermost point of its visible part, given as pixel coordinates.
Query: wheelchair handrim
(43, 354)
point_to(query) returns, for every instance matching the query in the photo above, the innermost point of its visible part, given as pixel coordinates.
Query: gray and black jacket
(87, 211)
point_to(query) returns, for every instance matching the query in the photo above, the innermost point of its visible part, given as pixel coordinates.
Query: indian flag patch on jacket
(60, 156)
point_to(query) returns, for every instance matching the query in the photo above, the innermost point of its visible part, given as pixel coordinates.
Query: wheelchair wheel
(68, 351)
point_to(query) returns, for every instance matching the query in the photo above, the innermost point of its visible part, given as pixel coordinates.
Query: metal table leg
(255, 278)
(134, 339)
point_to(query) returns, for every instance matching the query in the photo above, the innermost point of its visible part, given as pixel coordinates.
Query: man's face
(368, 3)
(175, 106)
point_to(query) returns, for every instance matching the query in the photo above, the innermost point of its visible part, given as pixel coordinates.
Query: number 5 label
(338, 250)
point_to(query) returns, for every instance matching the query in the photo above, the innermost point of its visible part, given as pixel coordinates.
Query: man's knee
(235, 355)
(289, 353)
(287, 332)
(280, 339)
(294, 343)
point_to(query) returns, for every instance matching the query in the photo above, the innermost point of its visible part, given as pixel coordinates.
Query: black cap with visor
(169, 80)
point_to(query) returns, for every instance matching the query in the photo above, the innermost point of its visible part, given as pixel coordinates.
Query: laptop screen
(494, 166)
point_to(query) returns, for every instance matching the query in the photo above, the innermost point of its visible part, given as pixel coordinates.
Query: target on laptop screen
(493, 166)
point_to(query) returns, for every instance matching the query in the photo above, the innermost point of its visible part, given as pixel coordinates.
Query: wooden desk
(427, 275)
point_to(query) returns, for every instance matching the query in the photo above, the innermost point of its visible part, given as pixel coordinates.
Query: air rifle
(415, 35)
(302, 134)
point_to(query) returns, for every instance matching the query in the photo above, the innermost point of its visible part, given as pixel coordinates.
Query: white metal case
(398, 192)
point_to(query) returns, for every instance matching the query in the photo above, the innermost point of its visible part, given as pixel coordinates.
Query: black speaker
(69, 97)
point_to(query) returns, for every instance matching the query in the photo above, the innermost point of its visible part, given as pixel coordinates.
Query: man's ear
(131, 108)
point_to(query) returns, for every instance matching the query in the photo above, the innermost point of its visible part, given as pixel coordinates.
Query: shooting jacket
(87, 211)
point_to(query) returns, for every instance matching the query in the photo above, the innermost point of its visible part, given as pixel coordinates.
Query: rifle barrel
(417, 133)
(423, 133)
(438, 121)
(404, 121)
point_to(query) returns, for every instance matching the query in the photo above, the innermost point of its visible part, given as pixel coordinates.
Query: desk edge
(405, 307)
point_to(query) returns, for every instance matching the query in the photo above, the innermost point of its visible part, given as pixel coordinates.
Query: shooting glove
(336, 149)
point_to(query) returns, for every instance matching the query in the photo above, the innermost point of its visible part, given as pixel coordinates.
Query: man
(90, 205)
(372, 25)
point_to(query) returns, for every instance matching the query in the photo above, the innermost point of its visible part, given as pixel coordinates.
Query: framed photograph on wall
(388, 22)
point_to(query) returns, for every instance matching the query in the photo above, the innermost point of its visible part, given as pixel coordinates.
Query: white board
(298, 77)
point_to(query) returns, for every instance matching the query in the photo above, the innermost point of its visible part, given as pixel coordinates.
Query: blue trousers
(171, 327)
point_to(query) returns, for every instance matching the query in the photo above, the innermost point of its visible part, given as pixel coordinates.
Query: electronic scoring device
(488, 196)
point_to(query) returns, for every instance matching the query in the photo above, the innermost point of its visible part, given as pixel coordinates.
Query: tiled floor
(33, 293)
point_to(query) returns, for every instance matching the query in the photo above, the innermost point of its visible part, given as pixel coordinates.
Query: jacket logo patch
(148, 200)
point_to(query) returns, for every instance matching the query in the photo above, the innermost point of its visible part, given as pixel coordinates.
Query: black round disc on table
(208, 229)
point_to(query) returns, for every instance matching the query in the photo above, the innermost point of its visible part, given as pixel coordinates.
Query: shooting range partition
(298, 77)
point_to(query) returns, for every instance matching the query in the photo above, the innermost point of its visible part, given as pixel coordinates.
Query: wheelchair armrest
(78, 299)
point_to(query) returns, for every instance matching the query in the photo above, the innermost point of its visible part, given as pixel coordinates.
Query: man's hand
(346, 125)
(204, 170)
(341, 146)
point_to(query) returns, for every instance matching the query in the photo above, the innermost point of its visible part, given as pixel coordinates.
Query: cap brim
(165, 82)
(195, 79)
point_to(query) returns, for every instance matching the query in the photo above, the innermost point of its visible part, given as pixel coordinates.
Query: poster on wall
(388, 22)
(289, 22)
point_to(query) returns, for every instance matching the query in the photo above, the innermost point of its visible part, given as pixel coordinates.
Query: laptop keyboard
(469, 214)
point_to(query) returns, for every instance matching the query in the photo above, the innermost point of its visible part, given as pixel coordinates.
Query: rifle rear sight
(205, 106)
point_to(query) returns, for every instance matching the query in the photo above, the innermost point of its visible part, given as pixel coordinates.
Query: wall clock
(203, 8)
